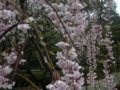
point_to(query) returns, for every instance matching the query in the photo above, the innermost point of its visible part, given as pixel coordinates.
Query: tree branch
(10, 28)
(19, 75)
(18, 59)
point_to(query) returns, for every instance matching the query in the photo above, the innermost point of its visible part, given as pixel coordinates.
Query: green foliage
(43, 43)
(86, 70)
(51, 53)
(100, 61)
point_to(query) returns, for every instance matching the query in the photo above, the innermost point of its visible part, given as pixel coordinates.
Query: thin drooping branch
(18, 59)
(19, 75)
(22, 5)
(52, 70)
(38, 48)
(61, 23)
(65, 30)
(10, 28)
(17, 8)
(50, 65)
(37, 31)
(53, 23)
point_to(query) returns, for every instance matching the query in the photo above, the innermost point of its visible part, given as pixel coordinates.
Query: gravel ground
(116, 78)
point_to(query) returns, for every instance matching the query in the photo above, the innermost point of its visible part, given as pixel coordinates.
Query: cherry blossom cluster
(68, 20)
(72, 78)
(93, 38)
(109, 79)
(72, 22)
(6, 15)
(106, 41)
(8, 59)
(4, 82)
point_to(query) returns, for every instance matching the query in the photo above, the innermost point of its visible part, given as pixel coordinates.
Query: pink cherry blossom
(76, 5)
(76, 86)
(4, 70)
(60, 56)
(72, 54)
(3, 27)
(60, 85)
(50, 87)
(11, 58)
(22, 61)
(5, 14)
(62, 44)
(79, 29)
(23, 26)
(29, 19)
(66, 64)
(80, 81)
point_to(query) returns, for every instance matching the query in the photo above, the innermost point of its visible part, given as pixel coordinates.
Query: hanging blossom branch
(72, 78)
(103, 39)
(71, 20)
(53, 23)
(93, 38)
(106, 41)
(52, 70)
(92, 51)
(63, 26)
(110, 85)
